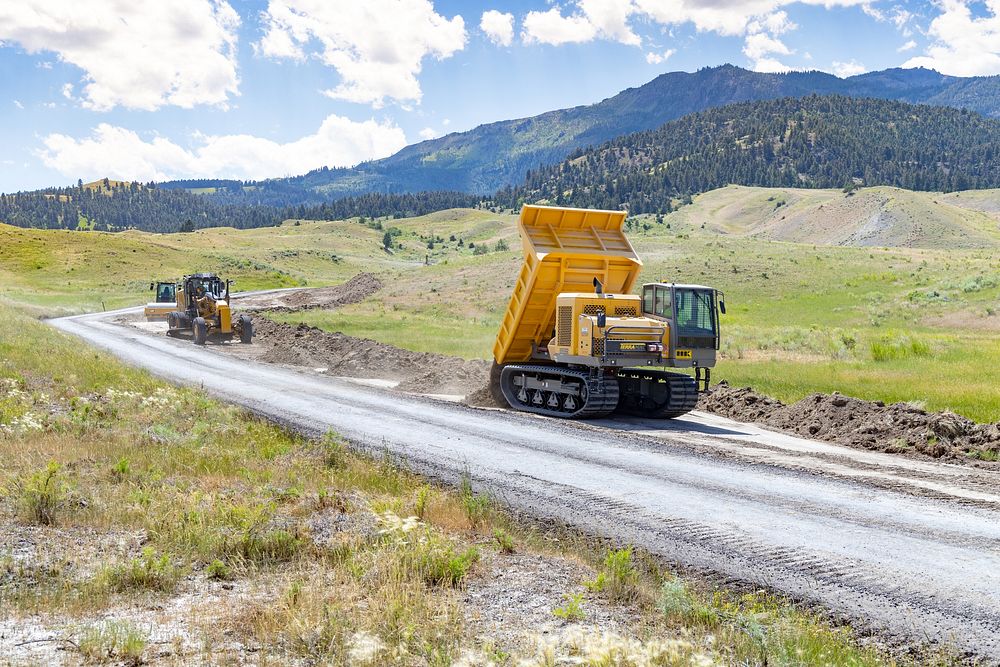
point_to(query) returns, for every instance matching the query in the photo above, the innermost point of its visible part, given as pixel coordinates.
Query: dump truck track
(908, 549)
(555, 391)
(656, 394)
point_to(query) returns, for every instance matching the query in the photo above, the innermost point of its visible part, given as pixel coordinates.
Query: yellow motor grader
(203, 309)
(576, 343)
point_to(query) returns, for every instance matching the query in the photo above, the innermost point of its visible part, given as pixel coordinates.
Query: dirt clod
(900, 427)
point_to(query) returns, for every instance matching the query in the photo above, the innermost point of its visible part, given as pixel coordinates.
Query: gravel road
(906, 548)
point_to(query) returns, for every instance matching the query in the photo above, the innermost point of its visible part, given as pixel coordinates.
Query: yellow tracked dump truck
(575, 343)
(203, 309)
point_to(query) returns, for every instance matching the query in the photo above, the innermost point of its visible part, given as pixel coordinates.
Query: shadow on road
(674, 425)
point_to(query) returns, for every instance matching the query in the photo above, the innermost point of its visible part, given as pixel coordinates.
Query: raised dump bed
(564, 250)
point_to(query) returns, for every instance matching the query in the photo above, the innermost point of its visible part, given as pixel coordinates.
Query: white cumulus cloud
(428, 133)
(909, 46)
(498, 26)
(120, 153)
(606, 19)
(963, 44)
(140, 54)
(660, 58)
(761, 44)
(376, 46)
(851, 68)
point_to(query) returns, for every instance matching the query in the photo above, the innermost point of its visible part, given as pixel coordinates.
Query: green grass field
(156, 516)
(891, 323)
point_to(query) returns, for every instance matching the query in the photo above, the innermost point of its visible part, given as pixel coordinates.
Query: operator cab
(692, 312)
(212, 285)
(165, 292)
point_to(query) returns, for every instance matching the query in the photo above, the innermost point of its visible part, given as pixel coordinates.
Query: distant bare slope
(881, 216)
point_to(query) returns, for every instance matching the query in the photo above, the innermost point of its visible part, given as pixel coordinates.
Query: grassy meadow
(141, 523)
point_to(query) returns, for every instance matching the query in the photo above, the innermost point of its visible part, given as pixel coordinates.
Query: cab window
(647, 299)
(696, 312)
(656, 301)
(662, 306)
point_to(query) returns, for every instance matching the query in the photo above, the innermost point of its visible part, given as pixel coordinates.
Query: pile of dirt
(482, 398)
(898, 428)
(357, 289)
(339, 354)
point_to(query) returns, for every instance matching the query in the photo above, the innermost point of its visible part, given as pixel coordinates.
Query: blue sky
(151, 90)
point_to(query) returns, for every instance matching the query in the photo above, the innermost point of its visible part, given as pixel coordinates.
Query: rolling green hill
(813, 141)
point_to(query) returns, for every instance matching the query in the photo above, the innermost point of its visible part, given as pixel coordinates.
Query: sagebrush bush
(42, 495)
(151, 571)
(618, 578)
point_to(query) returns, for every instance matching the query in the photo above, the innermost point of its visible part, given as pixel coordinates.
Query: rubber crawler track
(601, 392)
(656, 394)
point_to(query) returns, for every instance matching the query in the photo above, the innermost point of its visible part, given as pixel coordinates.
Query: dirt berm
(897, 428)
(355, 290)
(420, 372)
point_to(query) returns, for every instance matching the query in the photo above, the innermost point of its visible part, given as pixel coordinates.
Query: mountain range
(499, 154)
(805, 142)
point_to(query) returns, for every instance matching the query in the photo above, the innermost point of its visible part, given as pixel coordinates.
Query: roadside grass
(168, 497)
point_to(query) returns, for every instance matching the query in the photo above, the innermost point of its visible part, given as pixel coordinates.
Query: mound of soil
(357, 289)
(482, 398)
(899, 428)
(420, 372)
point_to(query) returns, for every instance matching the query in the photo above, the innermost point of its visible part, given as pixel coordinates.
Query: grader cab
(202, 307)
(576, 343)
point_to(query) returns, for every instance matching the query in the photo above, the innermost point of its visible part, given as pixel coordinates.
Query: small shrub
(618, 578)
(423, 496)
(503, 540)
(476, 508)
(572, 610)
(113, 641)
(333, 451)
(42, 495)
(120, 470)
(442, 566)
(148, 572)
(268, 546)
(218, 571)
(677, 603)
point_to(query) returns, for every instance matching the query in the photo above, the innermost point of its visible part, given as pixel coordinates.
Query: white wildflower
(363, 648)
(25, 423)
(470, 658)
(11, 388)
(589, 646)
(395, 528)
(113, 394)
